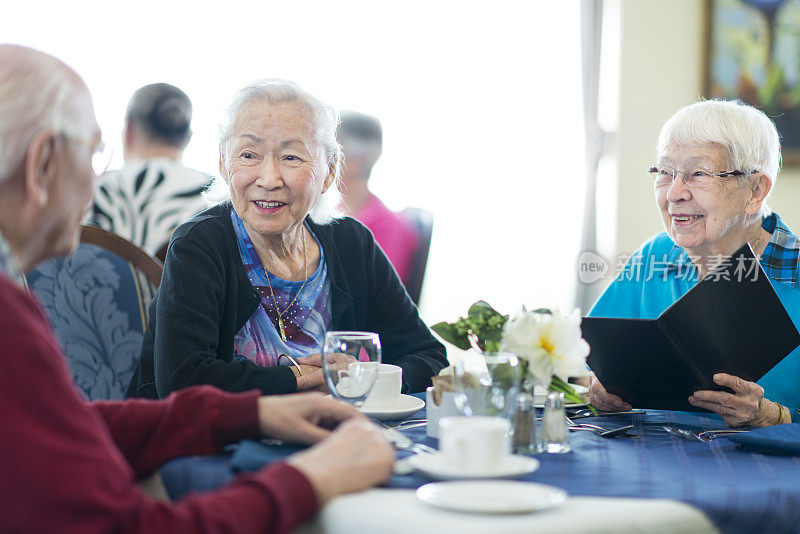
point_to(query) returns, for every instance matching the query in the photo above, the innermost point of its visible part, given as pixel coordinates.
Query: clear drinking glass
(487, 383)
(350, 364)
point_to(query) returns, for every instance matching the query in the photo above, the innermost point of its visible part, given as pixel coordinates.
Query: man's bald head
(37, 92)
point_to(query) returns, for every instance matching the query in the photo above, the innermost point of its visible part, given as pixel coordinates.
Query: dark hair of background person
(361, 127)
(163, 112)
(361, 135)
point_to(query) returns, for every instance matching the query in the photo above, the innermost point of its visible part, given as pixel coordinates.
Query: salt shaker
(524, 425)
(554, 424)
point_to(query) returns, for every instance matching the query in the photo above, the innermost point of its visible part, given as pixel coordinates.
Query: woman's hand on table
(312, 378)
(302, 417)
(746, 406)
(356, 456)
(603, 400)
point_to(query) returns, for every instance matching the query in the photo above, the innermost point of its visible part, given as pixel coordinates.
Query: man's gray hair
(361, 135)
(35, 94)
(749, 138)
(321, 119)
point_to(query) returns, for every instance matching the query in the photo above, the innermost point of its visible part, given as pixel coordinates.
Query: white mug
(386, 390)
(474, 443)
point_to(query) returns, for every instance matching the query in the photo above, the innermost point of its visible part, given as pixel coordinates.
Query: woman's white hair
(322, 120)
(36, 92)
(749, 138)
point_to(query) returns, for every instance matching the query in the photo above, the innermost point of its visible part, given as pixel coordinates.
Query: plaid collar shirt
(779, 260)
(8, 263)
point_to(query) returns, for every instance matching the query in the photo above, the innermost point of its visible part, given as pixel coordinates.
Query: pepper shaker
(524, 425)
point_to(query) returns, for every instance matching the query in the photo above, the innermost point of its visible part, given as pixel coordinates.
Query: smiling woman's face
(276, 169)
(703, 221)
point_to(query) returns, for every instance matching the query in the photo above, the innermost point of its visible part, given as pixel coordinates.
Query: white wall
(644, 106)
(480, 103)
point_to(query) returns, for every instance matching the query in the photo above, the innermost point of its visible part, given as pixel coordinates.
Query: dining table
(654, 482)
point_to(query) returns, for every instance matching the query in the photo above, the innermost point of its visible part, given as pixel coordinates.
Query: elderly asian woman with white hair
(716, 164)
(251, 285)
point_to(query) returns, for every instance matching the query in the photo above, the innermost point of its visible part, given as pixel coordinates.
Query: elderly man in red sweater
(70, 466)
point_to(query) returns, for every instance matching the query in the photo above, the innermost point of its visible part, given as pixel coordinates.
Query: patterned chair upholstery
(97, 301)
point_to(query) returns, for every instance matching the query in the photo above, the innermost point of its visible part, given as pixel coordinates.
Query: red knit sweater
(71, 466)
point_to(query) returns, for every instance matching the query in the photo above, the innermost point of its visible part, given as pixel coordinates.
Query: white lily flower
(551, 343)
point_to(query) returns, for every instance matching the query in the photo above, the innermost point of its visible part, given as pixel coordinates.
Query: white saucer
(435, 466)
(540, 396)
(491, 496)
(571, 406)
(405, 407)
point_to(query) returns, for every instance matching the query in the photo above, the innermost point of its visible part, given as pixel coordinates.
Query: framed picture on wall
(754, 55)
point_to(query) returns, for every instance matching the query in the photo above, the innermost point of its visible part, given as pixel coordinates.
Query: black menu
(730, 322)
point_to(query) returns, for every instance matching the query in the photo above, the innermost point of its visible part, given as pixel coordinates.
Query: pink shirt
(394, 234)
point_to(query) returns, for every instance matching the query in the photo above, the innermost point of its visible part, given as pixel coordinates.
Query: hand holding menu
(730, 322)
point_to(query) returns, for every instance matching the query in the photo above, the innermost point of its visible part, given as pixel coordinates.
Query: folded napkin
(252, 455)
(781, 440)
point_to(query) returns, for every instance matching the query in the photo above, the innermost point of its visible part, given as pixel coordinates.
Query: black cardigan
(205, 298)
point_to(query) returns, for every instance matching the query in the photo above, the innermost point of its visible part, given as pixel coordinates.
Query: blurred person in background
(361, 137)
(153, 193)
(70, 466)
(251, 285)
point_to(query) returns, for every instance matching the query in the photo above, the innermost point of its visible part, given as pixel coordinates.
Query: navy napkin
(783, 440)
(252, 455)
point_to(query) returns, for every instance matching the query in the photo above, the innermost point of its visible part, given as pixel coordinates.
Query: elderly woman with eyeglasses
(251, 285)
(717, 162)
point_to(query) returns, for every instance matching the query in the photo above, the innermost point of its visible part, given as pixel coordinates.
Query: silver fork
(407, 424)
(604, 433)
(404, 422)
(401, 441)
(580, 414)
(705, 436)
(601, 431)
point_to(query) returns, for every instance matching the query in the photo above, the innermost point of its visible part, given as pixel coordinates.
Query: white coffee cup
(386, 390)
(354, 382)
(474, 443)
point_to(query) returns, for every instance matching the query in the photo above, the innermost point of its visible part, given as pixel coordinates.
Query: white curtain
(591, 32)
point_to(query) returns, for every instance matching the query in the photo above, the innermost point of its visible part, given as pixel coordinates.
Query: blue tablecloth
(739, 491)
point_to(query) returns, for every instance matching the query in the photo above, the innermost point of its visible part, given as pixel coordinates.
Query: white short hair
(35, 94)
(749, 138)
(322, 120)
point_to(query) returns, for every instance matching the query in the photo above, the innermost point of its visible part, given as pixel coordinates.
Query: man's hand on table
(302, 417)
(746, 406)
(354, 456)
(602, 399)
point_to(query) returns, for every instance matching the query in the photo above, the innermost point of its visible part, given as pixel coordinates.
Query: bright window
(480, 104)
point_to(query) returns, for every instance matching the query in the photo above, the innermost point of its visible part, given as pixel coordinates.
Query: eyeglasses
(699, 178)
(101, 154)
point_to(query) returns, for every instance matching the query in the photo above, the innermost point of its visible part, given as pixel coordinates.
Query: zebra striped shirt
(147, 199)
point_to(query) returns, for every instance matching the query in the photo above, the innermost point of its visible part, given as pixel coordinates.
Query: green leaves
(451, 334)
(482, 321)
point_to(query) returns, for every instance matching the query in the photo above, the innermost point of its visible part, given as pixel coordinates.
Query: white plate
(405, 407)
(540, 396)
(491, 496)
(435, 466)
(571, 406)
